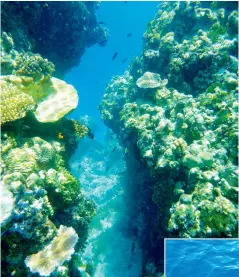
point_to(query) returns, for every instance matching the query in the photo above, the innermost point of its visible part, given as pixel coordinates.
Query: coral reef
(7, 204)
(150, 80)
(175, 110)
(40, 194)
(35, 174)
(55, 254)
(58, 31)
(14, 103)
(62, 99)
(49, 100)
(23, 63)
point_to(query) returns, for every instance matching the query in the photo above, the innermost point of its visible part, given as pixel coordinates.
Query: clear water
(202, 258)
(110, 245)
(96, 67)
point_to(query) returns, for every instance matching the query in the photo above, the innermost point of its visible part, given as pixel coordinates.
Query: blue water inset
(202, 258)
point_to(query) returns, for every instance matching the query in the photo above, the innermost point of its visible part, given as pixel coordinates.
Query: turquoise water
(97, 68)
(110, 241)
(208, 258)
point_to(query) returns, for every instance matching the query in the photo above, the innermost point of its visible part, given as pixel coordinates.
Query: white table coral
(54, 254)
(60, 102)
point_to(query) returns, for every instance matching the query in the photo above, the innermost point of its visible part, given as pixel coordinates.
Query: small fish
(102, 22)
(60, 136)
(97, 82)
(83, 272)
(124, 60)
(90, 134)
(115, 55)
(13, 272)
(25, 127)
(125, 2)
(132, 248)
(129, 35)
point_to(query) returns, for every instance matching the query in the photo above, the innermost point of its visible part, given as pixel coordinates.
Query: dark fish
(97, 82)
(132, 248)
(90, 134)
(114, 149)
(102, 22)
(115, 55)
(124, 60)
(129, 35)
(125, 2)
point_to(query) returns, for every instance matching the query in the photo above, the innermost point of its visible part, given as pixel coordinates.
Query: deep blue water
(97, 68)
(202, 258)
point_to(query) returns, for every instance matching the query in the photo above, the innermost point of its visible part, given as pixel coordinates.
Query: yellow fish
(60, 136)
(83, 272)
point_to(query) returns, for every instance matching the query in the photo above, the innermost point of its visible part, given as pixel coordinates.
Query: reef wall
(175, 111)
(43, 211)
(58, 31)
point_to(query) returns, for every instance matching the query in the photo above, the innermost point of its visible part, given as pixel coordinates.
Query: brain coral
(55, 254)
(14, 103)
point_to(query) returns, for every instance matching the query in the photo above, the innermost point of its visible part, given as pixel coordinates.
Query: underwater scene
(214, 258)
(119, 129)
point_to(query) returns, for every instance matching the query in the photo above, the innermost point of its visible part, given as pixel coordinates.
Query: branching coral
(34, 66)
(14, 103)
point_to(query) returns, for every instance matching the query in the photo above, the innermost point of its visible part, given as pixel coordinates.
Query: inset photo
(201, 257)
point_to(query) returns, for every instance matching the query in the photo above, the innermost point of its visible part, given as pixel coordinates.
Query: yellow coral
(14, 103)
(37, 90)
(80, 129)
(54, 254)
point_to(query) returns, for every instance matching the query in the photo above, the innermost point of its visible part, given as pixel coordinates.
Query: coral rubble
(175, 110)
